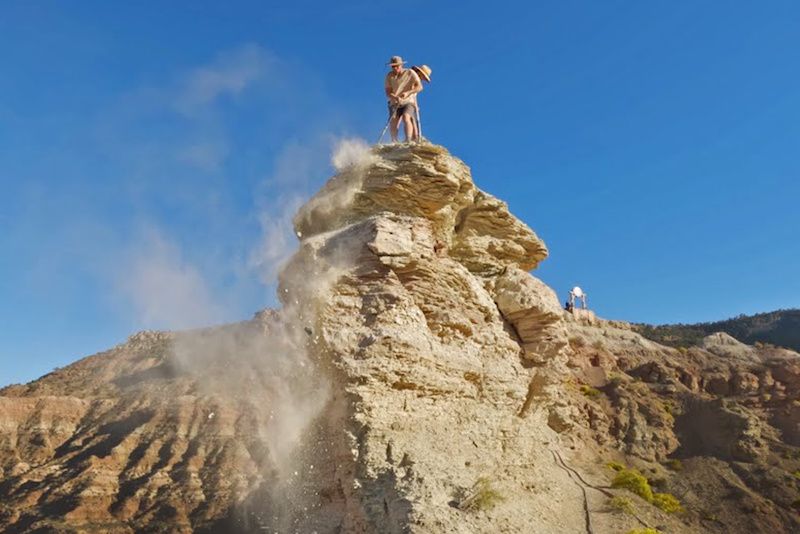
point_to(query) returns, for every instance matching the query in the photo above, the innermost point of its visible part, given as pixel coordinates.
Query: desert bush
(589, 391)
(668, 503)
(644, 531)
(634, 482)
(616, 466)
(621, 504)
(482, 497)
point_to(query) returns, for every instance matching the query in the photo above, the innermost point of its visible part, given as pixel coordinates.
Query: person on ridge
(424, 72)
(401, 86)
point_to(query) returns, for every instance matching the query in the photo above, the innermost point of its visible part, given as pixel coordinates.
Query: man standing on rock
(401, 86)
(424, 73)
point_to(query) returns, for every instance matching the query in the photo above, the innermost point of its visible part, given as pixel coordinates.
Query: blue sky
(152, 152)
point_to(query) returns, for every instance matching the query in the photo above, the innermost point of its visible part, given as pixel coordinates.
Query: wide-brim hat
(396, 60)
(424, 71)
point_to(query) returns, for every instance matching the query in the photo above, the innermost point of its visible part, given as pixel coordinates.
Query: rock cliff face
(416, 379)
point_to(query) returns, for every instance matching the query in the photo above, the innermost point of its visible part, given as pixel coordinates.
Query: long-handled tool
(419, 126)
(392, 111)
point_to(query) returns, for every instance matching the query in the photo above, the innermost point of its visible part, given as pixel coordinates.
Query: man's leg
(408, 121)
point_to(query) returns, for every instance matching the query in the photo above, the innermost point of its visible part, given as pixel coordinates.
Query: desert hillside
(417, 379)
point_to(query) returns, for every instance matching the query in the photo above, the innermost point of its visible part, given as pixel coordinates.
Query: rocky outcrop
(437, 387)
(426, 182)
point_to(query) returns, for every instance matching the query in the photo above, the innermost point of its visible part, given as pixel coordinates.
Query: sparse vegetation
(707, 516)
(796, 474)
(668, 503)
(635, 482)
(590, 392)
(673, 464)
(616, 466)
(576, 342)
(791, 455)
(622, 505)
(599, 345)
(482, 497)
(644, 531)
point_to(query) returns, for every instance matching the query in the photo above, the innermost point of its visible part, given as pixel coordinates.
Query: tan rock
(534, 310)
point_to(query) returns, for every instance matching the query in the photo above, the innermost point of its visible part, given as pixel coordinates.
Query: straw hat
(396, 60)
(424, 71)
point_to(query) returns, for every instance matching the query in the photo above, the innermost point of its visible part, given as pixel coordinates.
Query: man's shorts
(409, 108)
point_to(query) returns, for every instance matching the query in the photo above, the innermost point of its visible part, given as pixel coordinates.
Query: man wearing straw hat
(424, 72)
(401, 86)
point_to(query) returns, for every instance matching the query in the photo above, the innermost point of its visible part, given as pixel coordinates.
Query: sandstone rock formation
(417, 379)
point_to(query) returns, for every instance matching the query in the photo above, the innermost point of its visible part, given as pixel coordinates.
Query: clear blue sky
(152, 151)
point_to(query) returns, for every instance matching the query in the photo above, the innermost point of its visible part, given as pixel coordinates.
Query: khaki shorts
(404, 109)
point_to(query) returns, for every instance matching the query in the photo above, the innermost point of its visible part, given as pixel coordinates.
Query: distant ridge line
(780, 328)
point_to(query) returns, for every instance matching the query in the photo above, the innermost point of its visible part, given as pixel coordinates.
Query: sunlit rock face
(433, 388)
(417, 379)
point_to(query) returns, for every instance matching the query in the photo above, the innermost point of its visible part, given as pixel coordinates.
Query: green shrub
(482, 497)
(796, 474)
(621, 504)
(590, 392)
(669, 407)
(668, 503)
(644, 531)
(634, 482)
(615, 466)
(673, 464)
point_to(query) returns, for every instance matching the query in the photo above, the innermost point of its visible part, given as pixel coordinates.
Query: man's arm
(417, 86)
(389, 95)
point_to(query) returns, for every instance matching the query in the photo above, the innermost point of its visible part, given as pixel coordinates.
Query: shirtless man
(424, 72)
(401, 86)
